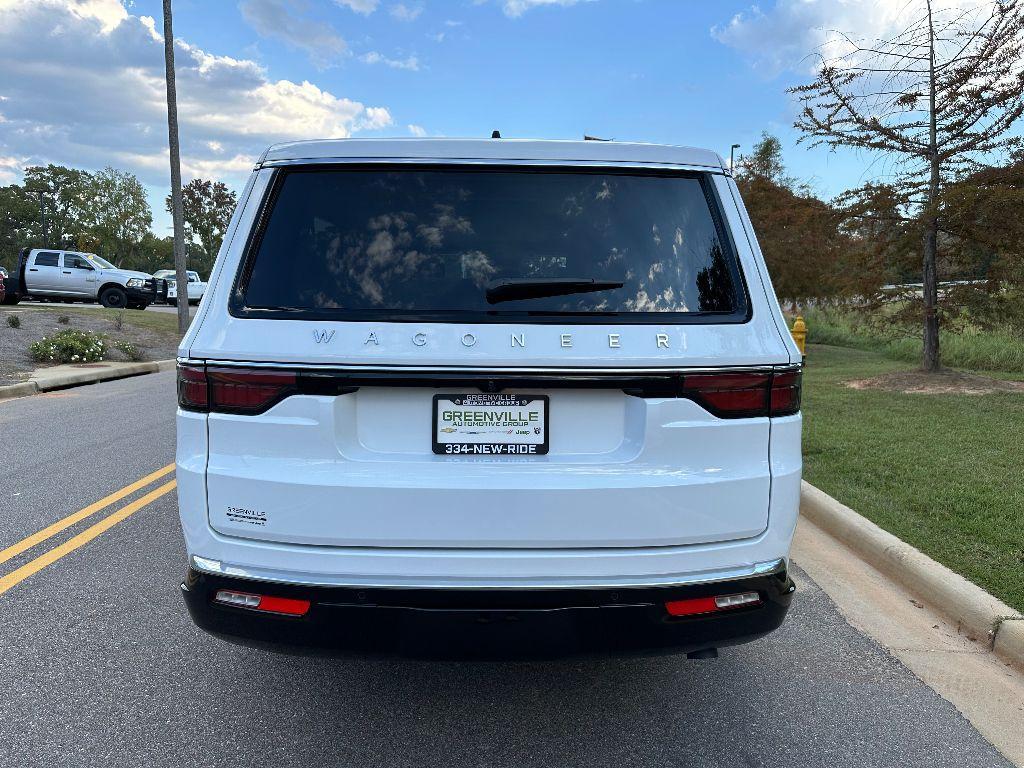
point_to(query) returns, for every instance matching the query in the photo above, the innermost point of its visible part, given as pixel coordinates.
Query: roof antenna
(594, 138)
(495, 134)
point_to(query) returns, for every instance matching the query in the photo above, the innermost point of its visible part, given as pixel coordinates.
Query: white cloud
(365, 7)
(406, 11)
(281, 19)
(410, 63)
(415, 130)
(10, 169)
(516, 8)
(787, 36)
(83, 85)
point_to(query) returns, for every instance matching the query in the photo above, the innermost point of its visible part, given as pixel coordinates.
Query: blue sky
(80, 80)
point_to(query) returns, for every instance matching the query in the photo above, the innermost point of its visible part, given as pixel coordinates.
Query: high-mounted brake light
(266, 603)
(232, 390)
(698, 605)
(743, 394)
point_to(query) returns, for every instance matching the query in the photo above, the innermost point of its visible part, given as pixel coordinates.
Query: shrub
(130, 351)
(119, 320)
(14, 321)
(69, 346)
(63, 319)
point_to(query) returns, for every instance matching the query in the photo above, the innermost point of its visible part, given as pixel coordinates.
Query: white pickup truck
(52, 274)
(196, 286)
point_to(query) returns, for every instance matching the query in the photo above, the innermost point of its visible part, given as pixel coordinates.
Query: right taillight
(786, 387)
(743, 395)
(246, 391)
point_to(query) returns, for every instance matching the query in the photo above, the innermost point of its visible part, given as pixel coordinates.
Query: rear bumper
(468, 623)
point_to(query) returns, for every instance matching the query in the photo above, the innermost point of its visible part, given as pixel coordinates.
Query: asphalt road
(99, 664)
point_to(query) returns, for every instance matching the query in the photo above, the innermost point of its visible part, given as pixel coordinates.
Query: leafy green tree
(117, 212)
(66, 201)
(150, 254)
(19, 222)
(208, 206)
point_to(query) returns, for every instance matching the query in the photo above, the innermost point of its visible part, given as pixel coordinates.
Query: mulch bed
(945, 382)
(16, 364)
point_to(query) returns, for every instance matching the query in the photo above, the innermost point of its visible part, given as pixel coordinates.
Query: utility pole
(732, 157)
(177, 214)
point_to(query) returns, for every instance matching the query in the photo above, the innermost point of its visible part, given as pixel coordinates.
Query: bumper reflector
(699, 605)
(284, 605)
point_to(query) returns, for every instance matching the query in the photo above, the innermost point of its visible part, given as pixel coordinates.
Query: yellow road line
(30, 541)
(90, 533)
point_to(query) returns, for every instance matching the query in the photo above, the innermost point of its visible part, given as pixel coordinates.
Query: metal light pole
(732, 156)
(177, 215)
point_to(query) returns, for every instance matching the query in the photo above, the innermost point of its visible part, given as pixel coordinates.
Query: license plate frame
(492, 402)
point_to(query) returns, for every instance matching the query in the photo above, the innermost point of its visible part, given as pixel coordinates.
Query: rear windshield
(434, 244)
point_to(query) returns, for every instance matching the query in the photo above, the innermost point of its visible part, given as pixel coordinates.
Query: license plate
(491, 425)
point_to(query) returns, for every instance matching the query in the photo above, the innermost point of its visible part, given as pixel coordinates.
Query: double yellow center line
(50, 556)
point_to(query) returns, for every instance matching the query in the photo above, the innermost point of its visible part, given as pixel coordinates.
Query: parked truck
(50, 274)
(196, 286)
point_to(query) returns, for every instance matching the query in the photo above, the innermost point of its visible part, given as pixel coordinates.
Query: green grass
(945, 473)
(165, 323)
(997, 350)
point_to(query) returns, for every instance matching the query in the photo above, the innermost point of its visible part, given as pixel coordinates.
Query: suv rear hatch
(598, 315)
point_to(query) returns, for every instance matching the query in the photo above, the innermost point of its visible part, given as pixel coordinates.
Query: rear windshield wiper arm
(511, 289)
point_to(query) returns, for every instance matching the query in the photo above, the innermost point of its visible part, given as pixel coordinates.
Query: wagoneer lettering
(547, 384)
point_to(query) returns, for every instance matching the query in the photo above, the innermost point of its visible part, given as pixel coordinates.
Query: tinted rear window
(429, 244)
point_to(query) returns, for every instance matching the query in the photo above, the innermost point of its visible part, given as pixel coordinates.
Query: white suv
(456, 395)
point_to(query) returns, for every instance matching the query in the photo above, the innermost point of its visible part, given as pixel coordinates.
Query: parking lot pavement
(101, 666)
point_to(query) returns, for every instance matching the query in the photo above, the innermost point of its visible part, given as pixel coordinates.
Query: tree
(934, 99)
(151, 253)
(207, 207)
(798, 233)
(68, 196)
(117, 212)
(19, 222)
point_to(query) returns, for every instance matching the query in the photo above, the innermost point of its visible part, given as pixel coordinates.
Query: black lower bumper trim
(447, 623)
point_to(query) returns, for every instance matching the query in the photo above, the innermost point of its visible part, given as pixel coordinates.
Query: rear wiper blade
(510, 289)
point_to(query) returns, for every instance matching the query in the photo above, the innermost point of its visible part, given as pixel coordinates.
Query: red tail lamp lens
(786, 393)
(698, 605)
(266, 603)
(730, 395)
(238, 390)
(744, 395)
(232, 390)
(192, 394)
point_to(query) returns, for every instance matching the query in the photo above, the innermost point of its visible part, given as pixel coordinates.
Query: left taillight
(245, 391)
(192, 390)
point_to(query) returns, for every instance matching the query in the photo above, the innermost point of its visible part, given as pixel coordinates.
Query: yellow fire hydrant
(799, 332)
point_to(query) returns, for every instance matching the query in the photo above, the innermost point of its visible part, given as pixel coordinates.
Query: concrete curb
(18, 390)
(62, 377)
(973, 609)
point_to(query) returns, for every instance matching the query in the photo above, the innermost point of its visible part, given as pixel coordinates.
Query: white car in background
(196, 286)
